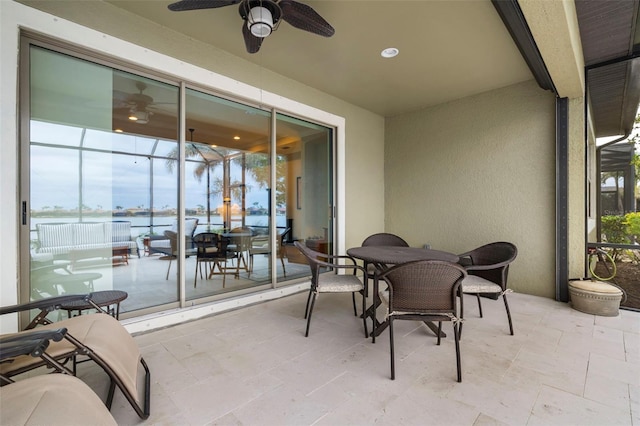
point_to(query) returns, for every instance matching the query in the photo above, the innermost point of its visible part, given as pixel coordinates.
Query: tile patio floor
(254, 366)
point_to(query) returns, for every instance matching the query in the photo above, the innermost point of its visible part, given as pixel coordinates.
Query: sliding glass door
(113, 201)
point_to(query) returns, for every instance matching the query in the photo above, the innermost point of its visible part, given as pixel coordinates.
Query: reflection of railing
(627, 269)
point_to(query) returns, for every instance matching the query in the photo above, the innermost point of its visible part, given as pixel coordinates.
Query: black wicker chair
(380, 239)
(212, 250)
(424, 290)
(488, 268)
(332, 283)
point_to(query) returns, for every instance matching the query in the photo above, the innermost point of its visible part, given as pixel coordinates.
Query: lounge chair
(100, 337)
(51, 399)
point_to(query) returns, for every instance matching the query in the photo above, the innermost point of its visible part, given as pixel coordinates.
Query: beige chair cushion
(105, 336)
(52, 399)
(333, 283)
(476, 284)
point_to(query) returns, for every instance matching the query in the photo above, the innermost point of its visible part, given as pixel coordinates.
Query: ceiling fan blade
(200, 4)
(252, 42)
(305, 18)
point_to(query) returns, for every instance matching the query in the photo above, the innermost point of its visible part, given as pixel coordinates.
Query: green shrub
(632, 223)
(614, 230)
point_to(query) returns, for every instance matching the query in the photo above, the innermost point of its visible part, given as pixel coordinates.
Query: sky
(109, 181)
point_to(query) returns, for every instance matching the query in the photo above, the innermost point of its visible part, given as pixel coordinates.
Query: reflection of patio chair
(240, 244)
(55, 280)
(100, 337)
(211, 249)
(162, 243)
(190, 228)
(261, 244)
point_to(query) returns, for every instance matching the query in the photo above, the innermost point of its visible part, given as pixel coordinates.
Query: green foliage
(632, 223)
(614, 230)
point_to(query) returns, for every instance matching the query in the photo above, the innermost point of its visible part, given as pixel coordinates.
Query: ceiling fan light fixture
(139, 116)
(260, 21)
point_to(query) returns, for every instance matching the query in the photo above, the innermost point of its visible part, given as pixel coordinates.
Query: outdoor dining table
(382, 257)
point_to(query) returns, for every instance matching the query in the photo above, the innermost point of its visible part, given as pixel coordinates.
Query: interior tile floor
(253, 366)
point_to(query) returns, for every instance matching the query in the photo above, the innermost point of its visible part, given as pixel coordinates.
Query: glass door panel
(227, 189)
(94, 182)
(305, 189)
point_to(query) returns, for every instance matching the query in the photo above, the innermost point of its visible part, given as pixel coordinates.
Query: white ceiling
(448, 49)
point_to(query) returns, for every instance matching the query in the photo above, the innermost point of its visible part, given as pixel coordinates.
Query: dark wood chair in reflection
(261, 244)
(424, 290)
(240, 243)
(212, 250)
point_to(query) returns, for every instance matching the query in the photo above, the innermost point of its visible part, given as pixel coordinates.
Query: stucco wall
(478, 170)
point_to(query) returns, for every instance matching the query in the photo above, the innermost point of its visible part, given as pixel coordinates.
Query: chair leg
(461, 314)
(284, 270)
(479, 304)
(393, 360)
(169, 268)
(506, 305)
(353, 299)
(224, 273)
(313, 301)
(439, 332)
(456, 334)
(364, 315)
(195, 279)
(306, 309)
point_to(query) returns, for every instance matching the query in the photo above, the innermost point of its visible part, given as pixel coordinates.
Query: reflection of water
(140, 224)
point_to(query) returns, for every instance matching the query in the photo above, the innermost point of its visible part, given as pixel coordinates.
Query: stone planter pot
(595, 297)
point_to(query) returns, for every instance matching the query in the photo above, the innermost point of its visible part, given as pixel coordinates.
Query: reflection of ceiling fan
(261, 17)
(138, 104)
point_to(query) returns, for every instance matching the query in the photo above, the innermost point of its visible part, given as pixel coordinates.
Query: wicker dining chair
(212, 251)
(332, 283)
(488, 269)
(380, 239)
(423, 290)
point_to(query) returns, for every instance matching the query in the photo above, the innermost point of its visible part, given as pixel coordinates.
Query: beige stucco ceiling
(448, 49)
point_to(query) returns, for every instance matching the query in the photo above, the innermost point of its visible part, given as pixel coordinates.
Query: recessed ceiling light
(118, 130)
(236, 138)
(389, 52)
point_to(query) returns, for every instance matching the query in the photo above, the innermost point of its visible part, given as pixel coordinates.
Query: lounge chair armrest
(32, 343)
(48, 304)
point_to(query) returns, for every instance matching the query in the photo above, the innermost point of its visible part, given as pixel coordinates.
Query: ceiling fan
(138, 104)
(262, 17)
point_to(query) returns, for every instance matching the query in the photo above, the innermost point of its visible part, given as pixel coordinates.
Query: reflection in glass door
(305, 149)
(227, 187)
(100, 194)
(101, 155)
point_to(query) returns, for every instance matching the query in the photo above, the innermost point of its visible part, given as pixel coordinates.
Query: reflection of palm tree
(255, 164)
